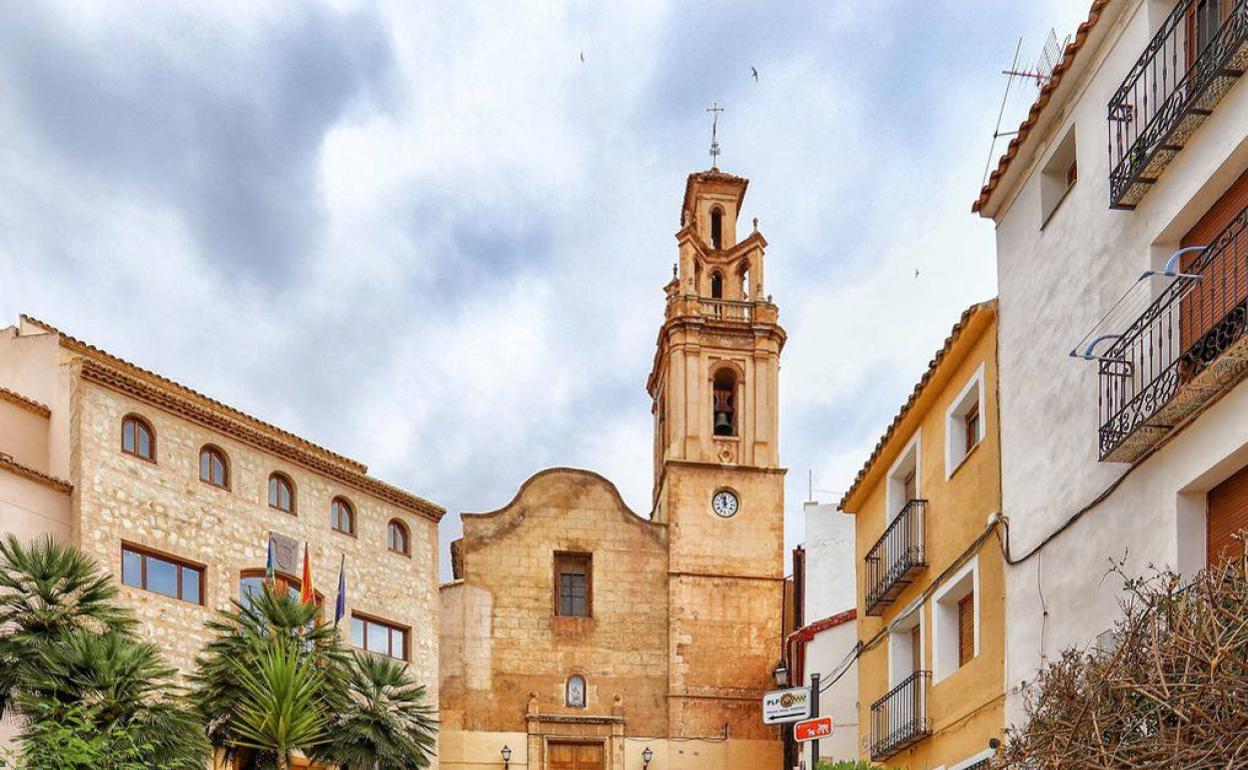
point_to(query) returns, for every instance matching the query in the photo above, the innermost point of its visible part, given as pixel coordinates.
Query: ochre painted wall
(966, 707)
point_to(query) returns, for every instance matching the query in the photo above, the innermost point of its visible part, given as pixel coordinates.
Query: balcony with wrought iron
(1187, 348)
(896, 558)
(900, 719)
(1189, 65)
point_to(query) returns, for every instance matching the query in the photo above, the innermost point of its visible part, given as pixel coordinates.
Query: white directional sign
(782, 706)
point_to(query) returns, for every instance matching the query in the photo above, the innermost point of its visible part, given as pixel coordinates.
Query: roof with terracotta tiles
(1042, 101)
(8, 463)
(30, 405)
(983, 307)
(105, 367)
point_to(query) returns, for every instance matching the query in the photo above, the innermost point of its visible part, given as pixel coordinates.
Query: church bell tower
(718, 484)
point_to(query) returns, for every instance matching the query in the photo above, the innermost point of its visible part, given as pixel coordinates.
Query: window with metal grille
(573, 578)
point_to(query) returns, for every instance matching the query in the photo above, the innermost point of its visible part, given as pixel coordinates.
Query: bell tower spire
(718, 484)
(716, 369)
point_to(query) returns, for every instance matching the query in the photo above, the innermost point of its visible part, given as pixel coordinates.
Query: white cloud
(429, 236)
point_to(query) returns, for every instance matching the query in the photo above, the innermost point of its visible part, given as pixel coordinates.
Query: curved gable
(557, 492)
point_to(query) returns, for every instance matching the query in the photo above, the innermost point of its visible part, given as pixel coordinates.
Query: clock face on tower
(724, 503)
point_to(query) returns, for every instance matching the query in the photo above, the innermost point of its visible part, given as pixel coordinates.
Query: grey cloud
(223, 128)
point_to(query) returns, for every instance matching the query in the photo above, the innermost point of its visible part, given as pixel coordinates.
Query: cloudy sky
(428, 236)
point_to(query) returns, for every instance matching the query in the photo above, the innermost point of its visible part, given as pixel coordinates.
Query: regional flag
(269, 567)
(306, 594)
(340, 608)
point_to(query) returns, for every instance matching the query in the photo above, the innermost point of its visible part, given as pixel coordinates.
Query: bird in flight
(916, 272)
(582, 57)
(754, 72)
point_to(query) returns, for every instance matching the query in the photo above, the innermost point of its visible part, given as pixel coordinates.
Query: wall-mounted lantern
(781, 674)
(506, 752)
(647, 755)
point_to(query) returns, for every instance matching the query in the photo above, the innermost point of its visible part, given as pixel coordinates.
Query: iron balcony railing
(900, 719)
(896, 557)
(1187, 347)
(1188, 66)
(728, 310)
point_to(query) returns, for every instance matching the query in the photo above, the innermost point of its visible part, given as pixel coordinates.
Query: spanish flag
(306, 594)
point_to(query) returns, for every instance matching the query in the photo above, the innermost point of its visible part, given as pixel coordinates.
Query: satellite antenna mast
(1041, 74)
(996, 132)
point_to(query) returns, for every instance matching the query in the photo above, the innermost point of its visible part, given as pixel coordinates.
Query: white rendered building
(1137, 445)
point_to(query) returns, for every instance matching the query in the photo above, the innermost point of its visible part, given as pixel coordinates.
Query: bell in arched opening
(724, 408)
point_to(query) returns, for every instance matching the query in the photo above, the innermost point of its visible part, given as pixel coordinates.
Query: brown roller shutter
(966, 629)
(1228, 514)
(1225, 281)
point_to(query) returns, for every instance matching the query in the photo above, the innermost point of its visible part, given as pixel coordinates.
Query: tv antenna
(1041, 74)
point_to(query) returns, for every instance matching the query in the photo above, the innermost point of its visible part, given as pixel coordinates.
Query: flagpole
(340, 606)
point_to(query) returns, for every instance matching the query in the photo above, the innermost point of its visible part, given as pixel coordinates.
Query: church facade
(578, 635)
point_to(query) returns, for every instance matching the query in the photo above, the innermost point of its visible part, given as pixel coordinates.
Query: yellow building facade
(930, 573)
(579, 635)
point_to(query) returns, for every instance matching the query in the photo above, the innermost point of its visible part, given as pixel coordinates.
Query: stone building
(177, 495)
(580, 635)
(931, 577)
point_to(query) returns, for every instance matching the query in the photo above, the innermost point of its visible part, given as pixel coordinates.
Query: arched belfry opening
(743, 275)
(723, 406)
(717, 285)
(717, 228)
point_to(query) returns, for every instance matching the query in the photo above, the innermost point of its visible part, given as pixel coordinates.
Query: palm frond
(387, 722)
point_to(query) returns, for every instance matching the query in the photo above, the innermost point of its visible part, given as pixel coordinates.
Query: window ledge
(969, 453)
(1056, 206)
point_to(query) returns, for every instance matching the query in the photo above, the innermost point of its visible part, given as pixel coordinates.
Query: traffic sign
(812, 729)
(781, 706)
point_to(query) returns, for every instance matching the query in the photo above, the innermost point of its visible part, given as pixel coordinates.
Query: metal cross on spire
(714, 109)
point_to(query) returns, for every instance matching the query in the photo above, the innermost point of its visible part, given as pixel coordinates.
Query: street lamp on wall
(647, 755)
(506, 752)
(781, 674)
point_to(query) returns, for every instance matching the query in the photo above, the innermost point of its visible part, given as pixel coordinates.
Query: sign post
(814, 712)
(784, 706)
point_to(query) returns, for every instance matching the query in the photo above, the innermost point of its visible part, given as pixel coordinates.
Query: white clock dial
(724, 503)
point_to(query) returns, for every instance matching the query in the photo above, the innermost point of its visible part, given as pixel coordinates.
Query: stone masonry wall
(164, 506)
(513, 644)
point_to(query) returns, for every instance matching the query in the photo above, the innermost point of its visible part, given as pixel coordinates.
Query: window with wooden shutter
(1224, 283)
(916, 649)
(966, 629)
(1228, 514)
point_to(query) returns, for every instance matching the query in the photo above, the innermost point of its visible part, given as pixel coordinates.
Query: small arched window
(717, 285)
(717, 228)
(575, 692)
(396, 537)
(138, 438)
(281, 493)
(744, 276)
(342, 516)
(723, 406)
(213, 468)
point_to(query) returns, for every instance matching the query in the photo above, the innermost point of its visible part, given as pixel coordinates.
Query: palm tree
(278, 707)
(127, 687)
(242, 659)
(47, 589)
(387, 723)
(68, 654)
